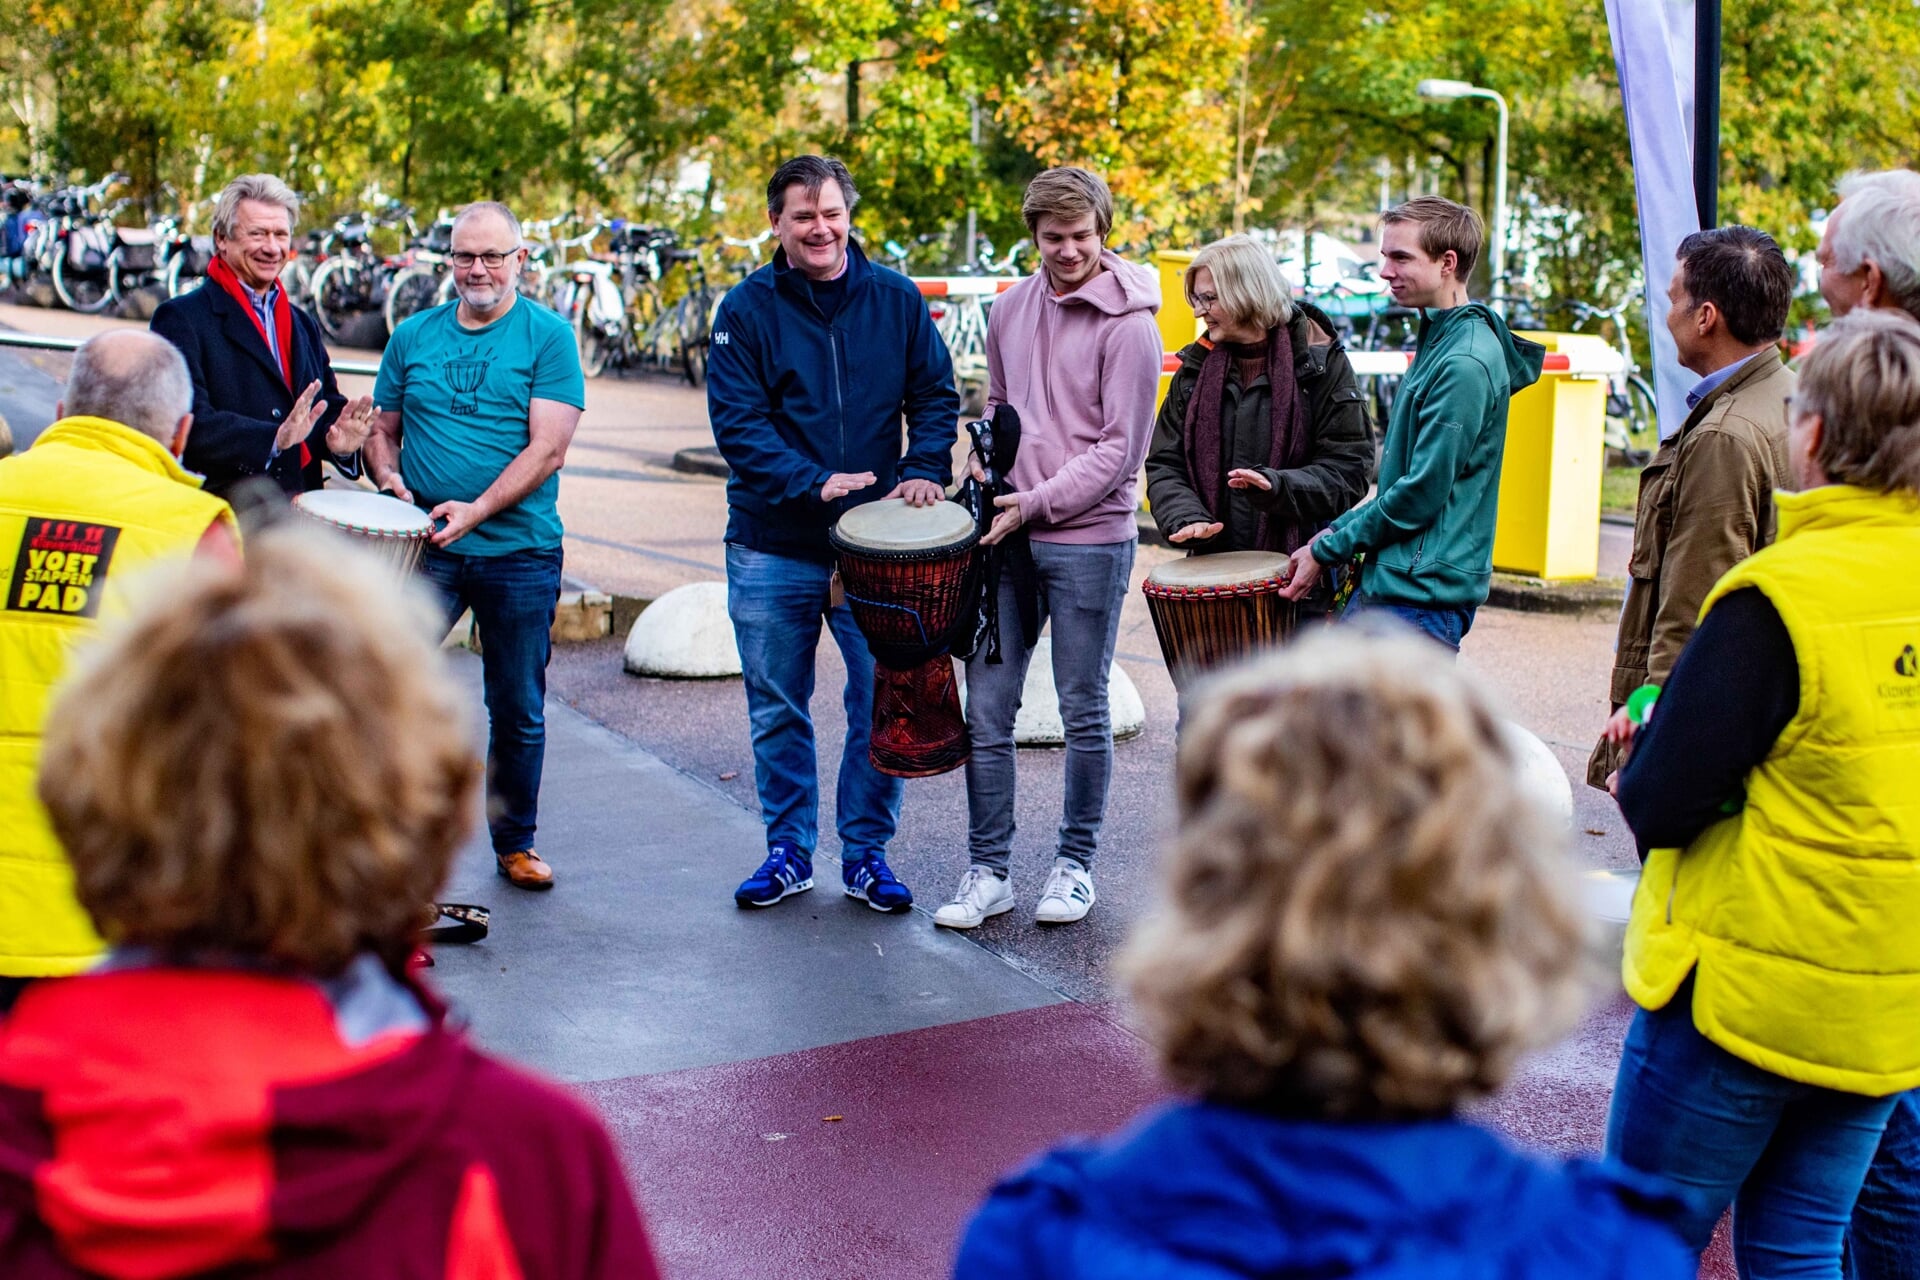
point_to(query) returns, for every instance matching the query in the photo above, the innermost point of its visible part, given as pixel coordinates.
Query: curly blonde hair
(1366, 916)
(267, 763)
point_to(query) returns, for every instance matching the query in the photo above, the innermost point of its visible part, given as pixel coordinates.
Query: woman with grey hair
(1262, 438)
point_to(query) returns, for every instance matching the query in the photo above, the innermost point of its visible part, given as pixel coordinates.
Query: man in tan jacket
(1706, 499)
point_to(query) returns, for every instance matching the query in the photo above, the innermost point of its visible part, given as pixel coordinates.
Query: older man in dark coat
(264, 397)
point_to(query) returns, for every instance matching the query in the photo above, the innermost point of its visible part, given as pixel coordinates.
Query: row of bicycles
(67, 240)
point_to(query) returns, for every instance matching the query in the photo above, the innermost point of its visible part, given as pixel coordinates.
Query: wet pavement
(818, 1089)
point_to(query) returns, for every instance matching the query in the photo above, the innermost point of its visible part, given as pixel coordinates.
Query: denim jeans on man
(1789, 1157)
(512, 597)
(1884, 1242)
(777, 603)
(1082, 587)
(1448, 626)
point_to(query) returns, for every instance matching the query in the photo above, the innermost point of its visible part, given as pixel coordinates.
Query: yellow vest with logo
(90, 504)
(1800, 915)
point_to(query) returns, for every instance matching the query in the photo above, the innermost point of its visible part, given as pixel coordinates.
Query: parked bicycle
(1633, 412)
(352, 277)
(425, 278)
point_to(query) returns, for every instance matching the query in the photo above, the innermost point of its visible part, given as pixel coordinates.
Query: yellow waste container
(1178, 324)
(1549, 525)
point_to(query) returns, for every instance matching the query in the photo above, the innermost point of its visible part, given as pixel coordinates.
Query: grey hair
(252, 186)
(1879, 222)
(493, 207)
(136, 379)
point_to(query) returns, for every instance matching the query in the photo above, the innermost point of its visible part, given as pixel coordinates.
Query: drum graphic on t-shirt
(465, 377)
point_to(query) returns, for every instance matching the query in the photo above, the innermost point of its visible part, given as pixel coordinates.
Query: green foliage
(1205, 115)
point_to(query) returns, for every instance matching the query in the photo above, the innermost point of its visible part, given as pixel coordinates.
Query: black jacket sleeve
(1334, 477)
(1171, 497)
(1734, 689)
(221, 443)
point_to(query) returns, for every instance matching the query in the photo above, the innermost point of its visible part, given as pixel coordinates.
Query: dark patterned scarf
(1287, 435)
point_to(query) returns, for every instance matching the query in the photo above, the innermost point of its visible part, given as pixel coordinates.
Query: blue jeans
(1448, 626)
(777, 604)
(1884, 1241)
(1789, 1158)
(512, 598)
(1082, 587)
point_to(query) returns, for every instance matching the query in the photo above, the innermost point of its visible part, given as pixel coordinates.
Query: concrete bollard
(1540, 773)
(1039, 725)
(685, 634)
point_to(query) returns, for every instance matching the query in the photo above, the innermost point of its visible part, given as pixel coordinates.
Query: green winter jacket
(1428, 531)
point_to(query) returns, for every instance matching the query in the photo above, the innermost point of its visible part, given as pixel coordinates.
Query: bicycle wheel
(181, 280)
(333, 298)
(77, 288)
(413, 290)
(120, 280)
(586, 334)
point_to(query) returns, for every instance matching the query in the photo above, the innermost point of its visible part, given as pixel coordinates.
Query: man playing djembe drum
(479, 400)
(815, 359)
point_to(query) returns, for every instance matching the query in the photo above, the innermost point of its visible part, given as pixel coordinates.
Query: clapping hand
(301, 419)
(351, 429)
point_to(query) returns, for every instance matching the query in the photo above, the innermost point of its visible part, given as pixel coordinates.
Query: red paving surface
(741, 1174)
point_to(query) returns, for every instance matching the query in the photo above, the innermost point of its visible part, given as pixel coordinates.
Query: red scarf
(223, 275)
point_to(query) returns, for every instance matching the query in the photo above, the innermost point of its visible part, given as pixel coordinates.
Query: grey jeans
(1081, 590)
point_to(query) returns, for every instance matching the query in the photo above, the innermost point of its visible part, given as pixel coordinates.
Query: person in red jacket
(258, 779)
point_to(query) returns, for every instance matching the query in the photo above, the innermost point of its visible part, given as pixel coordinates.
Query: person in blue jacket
(1367, 922)
(815, 359)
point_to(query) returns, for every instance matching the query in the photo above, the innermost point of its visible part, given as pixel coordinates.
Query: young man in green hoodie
(1427, 534)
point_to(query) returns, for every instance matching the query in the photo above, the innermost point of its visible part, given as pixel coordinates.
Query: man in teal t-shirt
(478, 401)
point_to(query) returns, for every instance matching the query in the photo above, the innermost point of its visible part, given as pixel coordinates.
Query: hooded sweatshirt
(1082, 369)
(160, 1123)
(1205, 1192)
(1428, 531)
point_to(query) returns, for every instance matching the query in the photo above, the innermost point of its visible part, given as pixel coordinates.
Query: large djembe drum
(395, 531)
(1212, 610)
(907, 573)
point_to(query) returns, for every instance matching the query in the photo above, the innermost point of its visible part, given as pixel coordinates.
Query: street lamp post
(1449, 91)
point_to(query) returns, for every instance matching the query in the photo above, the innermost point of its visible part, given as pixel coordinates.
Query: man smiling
(264, 397)
(1075, 350)
(1428, 531)
(481, 397)
(816, 358)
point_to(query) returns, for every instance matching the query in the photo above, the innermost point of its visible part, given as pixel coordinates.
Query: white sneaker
(1068, 895)
(981, 894)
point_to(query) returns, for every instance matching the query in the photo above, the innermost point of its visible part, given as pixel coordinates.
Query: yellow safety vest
(89, 504)
(1801, 913)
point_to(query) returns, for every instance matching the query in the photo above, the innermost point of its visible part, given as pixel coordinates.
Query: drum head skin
(357, 509)
(1227, 569)
(891, 525)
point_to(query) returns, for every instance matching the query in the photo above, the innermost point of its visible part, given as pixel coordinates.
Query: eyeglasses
(1205, 301)
(492, 261)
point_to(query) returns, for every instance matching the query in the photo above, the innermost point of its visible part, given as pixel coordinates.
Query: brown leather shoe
(525, 869)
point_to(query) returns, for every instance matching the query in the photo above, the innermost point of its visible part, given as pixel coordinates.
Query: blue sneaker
(786, 871)
(871, 880)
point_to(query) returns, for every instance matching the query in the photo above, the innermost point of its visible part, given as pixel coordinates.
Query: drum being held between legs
(907, 573)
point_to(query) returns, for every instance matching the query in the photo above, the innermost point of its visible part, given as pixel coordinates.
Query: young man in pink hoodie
(1075, 349)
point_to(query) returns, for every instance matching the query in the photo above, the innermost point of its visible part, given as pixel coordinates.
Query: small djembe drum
(907, 573)
(1212, 610)
(395, 531)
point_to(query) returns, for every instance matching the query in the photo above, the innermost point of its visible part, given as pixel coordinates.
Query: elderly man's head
(253, 228)
(1869, 254)
(135, 379)
(487, 255)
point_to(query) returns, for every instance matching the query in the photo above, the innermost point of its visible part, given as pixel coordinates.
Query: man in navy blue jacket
(815, 359)
(264, 398)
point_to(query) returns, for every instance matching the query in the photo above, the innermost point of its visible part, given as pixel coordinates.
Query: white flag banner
(1653, 48)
